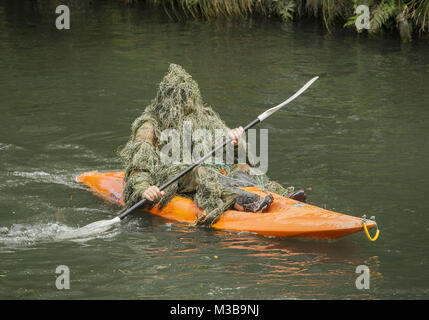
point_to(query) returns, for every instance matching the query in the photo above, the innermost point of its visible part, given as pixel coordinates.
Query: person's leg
(210, 195)
(215, 196)
(269, 185)
(247, 201)
(240, 171)
(289, 192)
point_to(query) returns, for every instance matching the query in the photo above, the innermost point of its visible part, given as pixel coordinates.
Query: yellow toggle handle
(367, 233)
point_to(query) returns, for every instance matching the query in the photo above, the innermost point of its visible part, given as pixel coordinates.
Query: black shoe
(297, 195)
(260, 205)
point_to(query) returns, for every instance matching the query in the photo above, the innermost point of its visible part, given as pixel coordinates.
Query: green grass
(408, 18)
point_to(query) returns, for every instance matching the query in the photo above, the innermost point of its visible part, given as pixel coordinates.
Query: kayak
(284, 218)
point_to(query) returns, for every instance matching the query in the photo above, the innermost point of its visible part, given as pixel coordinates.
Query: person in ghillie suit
(178, 102)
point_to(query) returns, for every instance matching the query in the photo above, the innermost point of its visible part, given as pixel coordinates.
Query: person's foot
(260, 205)
(297, 195)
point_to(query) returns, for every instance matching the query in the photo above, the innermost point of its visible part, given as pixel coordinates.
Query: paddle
(104, 225)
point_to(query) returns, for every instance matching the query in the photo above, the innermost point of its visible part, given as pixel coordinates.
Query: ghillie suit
(178, 102)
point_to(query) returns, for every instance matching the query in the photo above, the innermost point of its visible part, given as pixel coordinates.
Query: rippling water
(357, 141)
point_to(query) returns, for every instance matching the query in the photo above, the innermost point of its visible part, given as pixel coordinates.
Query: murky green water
(357, 140)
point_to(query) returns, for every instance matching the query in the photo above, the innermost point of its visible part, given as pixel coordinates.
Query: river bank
(410, 19)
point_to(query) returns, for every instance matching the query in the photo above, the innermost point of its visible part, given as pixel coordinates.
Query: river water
(357, 140)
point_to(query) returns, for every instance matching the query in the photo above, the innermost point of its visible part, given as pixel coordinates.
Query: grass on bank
(409, 18)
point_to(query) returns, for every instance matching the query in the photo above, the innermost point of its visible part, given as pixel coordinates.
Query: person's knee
(244, 167)
(199, 173)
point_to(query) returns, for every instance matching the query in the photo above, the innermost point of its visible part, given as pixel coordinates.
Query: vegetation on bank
(409, 17)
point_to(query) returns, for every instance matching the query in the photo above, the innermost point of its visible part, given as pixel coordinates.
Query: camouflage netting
(178, 100)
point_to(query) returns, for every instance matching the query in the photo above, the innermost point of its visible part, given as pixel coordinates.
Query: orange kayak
(284, 218)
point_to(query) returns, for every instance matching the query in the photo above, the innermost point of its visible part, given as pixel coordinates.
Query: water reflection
(288, 268)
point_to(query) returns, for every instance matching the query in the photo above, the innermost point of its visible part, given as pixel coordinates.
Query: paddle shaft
(181, 174)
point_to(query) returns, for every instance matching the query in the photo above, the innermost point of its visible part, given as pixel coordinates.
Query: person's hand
(235, 135)
(152, 193)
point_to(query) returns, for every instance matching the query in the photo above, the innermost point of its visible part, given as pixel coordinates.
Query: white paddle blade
(269, 112)
(89, 230)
